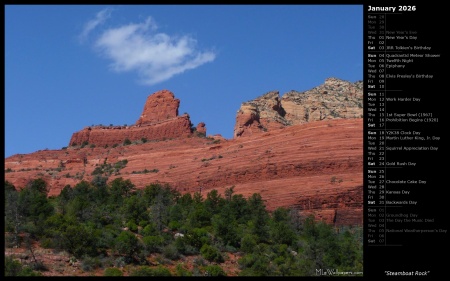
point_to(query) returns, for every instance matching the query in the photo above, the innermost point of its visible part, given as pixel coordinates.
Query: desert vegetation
(123, 231)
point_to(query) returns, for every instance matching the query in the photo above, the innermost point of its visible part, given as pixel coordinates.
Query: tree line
(112, 225)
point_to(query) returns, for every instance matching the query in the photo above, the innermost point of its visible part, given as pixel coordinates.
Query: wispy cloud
(100, 18)
(155, 56)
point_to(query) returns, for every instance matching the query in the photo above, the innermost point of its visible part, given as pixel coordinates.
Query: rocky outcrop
(114, 135)
(159, 106)
(316, 168)
(260, 115)
(159, 120)
(334, 99)
(201, 128)
(313, 167)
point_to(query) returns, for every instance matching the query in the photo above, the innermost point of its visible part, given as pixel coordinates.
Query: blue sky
(72, 66)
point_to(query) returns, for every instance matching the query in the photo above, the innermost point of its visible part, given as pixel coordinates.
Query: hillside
(303, 150)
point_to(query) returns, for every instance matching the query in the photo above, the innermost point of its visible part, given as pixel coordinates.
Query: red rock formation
(201, 128)
(101, 136)
(159, 120)
(315, 167)
(159, 106)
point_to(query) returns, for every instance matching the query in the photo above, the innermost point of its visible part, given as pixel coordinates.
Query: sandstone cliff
(334, 99)
(315, 167)
(159, 120)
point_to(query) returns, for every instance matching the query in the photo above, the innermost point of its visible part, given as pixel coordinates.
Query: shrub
(211, 253)
(161, 271)
(153, 243)
(214, 270)
(147, 271)
(111, 271)
(132, 226)
(126, 142)
(15, 268)
(90, 263)
(171, 252)
(182, 271)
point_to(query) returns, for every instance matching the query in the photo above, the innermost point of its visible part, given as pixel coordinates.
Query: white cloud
(155, 56)
(100, 18)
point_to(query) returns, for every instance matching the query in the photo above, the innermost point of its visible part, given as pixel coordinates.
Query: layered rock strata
(334, 99)
(159, 120)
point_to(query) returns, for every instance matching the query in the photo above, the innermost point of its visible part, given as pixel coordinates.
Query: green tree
(135, 208)
(213, 202)
(211, 253)
(34, 207)
(153, 243)
(120, 188)
(127, 243)
(225, 226)
(79, 239)
(14, 212)
(260, 217)
(15, 268)
(281, 230)
(38, 185)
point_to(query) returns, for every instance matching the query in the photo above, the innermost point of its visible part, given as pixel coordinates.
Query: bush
(248, 243)
(182, 271)
(142, 271)
(90, 263)
(171, 252)
(132, 226)
(153, 243)
(111, 271)
(161, 271)
(12, 267)
(147, 271)
(211, 253)
(126, 142)
(214, 270)
(15, 268)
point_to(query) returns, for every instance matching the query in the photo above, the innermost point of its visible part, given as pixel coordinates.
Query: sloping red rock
(315, 167)
(101, 136)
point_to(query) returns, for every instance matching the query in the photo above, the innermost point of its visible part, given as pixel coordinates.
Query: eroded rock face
(316, 168)
(260, 115)
(159, 120)
(313, 167)
(102, 136)
(201, 128)
(334, 99)
(159, 106)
